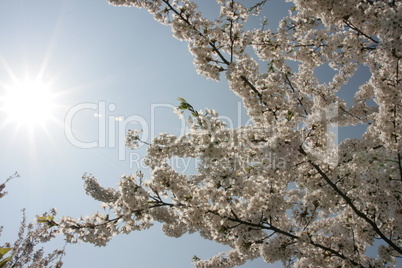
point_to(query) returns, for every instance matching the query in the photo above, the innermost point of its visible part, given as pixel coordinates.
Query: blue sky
(97, 55)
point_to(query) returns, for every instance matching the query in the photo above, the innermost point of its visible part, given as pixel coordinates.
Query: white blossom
(280, 188)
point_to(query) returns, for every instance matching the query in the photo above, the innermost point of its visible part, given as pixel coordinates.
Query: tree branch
(295, 237)
(349, 202)
(350, 25)
(217, 51)
(293, 89)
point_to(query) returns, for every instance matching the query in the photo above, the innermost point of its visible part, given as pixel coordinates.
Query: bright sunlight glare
(28, 103)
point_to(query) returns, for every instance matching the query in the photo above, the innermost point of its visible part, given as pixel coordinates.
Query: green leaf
(195, 258)
(46, 219)
(49, 220)
(184, 105)
(290, 115)
(3, 262)
(42, 219)
(3, 251)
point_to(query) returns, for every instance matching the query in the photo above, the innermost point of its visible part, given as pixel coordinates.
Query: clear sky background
(96, 55)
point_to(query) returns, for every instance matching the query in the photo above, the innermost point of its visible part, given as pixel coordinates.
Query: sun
(28, 102)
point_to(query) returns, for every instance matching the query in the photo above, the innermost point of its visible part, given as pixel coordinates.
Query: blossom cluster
(25, 250)
(312, 212)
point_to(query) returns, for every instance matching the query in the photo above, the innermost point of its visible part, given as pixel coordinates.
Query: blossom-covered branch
(279, 188)
(24, 252)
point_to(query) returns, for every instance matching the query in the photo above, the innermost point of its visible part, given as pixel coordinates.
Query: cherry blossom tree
(24, 251)
(327, 202)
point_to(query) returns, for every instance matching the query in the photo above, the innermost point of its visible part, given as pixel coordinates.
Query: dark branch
(351, 26)
(349, 202)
